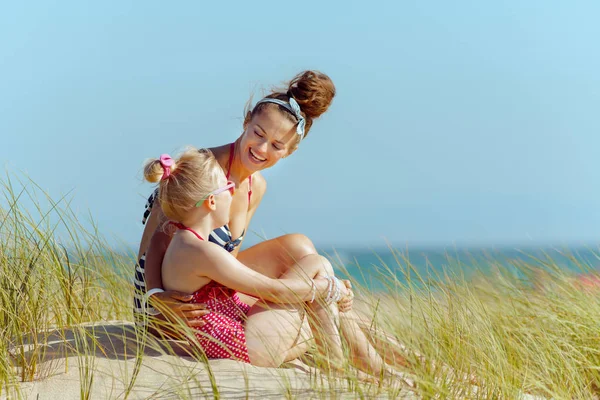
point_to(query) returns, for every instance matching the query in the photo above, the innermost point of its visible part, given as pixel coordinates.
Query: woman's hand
(345, 303)
(175, 306)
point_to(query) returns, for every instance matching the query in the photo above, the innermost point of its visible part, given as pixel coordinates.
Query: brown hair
(193, 176)
(313, 90)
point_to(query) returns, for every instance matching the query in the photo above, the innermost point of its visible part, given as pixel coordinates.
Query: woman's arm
(150, 225)
(154, 257)
(220, 266)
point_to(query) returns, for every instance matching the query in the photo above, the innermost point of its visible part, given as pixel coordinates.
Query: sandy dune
(108, 365)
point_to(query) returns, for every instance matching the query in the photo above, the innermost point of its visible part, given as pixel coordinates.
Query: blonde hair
(192, 177)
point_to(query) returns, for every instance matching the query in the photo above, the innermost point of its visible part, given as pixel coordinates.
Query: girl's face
(222, 197)
(268, 137)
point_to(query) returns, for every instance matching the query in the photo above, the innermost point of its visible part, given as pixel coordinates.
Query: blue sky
(455, 122)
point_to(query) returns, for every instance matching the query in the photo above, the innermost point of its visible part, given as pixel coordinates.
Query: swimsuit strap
(185, 228)
(249, 188)
(231, 152)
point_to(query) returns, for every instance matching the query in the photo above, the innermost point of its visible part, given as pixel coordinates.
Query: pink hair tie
(167, 162)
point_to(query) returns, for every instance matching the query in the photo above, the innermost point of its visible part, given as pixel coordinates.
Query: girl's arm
(217, 264)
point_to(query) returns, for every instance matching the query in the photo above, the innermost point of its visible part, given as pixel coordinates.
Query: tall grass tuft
(55, 273)
(528, 328)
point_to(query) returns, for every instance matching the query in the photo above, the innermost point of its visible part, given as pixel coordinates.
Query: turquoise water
(378, 268)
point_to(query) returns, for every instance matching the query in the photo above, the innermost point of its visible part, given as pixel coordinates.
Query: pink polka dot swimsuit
(222, 335)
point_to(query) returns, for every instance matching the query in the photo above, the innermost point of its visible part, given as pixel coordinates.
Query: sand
(109, 364)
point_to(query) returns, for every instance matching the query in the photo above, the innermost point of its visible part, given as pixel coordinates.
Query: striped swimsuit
(220, 236)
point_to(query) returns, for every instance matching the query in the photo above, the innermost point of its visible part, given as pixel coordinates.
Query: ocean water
(379, 268)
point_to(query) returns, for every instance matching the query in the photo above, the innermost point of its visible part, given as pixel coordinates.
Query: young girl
(196, 197)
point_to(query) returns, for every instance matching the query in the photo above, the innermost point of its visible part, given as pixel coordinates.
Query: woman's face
(268, 137)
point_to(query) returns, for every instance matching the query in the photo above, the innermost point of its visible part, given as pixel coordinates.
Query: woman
(196, 197)
(273, 129)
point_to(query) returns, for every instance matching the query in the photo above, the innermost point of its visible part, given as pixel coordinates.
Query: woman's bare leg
(323, 319)
(273, 258)
(277, 256)
(393, 352)
(279, 342)
(271, 333)
(363, 355)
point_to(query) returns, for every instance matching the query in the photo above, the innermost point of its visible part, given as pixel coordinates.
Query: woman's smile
(254, 157)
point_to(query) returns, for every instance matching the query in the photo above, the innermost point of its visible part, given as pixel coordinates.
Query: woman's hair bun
(314, 91)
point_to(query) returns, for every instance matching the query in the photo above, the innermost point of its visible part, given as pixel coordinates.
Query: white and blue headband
(292, 107)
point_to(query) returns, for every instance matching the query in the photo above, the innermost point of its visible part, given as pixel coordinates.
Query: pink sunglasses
(230, 186)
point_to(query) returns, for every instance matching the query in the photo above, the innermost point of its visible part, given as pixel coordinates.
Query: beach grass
(530, 328)
(65, 307)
